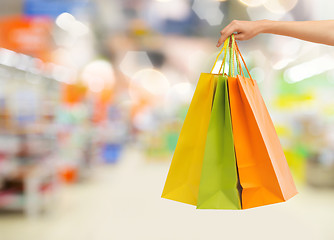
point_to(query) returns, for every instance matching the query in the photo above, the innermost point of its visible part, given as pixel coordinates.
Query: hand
(243, 30)
(313, 31)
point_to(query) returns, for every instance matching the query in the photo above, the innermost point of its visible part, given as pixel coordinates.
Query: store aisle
(123, 202)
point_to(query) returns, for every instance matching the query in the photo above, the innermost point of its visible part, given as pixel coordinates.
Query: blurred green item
(171, 140)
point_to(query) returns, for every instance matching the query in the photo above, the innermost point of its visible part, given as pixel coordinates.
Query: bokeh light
(309, 69)
(98, 75)
(252, 3)
(149, 85)
(280, 6)
(208, 10)
(134, 61)
(68, 23)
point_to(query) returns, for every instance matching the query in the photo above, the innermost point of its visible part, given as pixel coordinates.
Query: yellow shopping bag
(183, 179)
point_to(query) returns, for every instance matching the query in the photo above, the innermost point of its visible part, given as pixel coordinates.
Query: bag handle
(237, 50)
(231, 53)
(223, 63)
(224, 60)
(240, 70)
(233, 56)
(234, 53)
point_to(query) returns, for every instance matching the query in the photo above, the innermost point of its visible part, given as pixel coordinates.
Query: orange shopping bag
(264, 174)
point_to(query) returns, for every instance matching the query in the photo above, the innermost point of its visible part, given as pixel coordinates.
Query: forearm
(313, 31)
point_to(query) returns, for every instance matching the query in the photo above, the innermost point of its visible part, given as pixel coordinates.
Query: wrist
(265, 26)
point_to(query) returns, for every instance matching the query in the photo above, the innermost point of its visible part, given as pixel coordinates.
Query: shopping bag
(183, 179)
(263, 170)
(219, 177)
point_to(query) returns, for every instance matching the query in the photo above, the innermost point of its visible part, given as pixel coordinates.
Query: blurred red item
(27, 35)
(72, 94)
(100, 112)
(68, 174)
(103, 100)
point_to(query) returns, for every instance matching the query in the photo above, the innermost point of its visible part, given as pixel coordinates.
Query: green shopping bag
(218, 187)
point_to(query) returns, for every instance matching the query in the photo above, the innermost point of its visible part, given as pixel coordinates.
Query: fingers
(234, 26)
(225, 33)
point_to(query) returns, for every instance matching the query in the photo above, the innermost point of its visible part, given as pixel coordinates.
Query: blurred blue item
(183, 27)
(25, 119)
(114, 113)
(53, 8)
(111, 152)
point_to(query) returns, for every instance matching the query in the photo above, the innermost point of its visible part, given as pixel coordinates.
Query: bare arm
(312, 31)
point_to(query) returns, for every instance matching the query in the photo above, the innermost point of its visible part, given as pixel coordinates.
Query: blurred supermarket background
(93, 94)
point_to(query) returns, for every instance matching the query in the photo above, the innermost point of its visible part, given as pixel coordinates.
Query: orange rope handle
(237, 48)
(233, 52)
(239, 63)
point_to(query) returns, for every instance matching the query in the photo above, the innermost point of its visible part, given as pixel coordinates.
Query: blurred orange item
(106, 95)
(72, 94)
(137, 107)
(68, 174)
(27, 35)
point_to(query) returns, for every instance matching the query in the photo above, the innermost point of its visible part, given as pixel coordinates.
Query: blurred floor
(123, 202)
